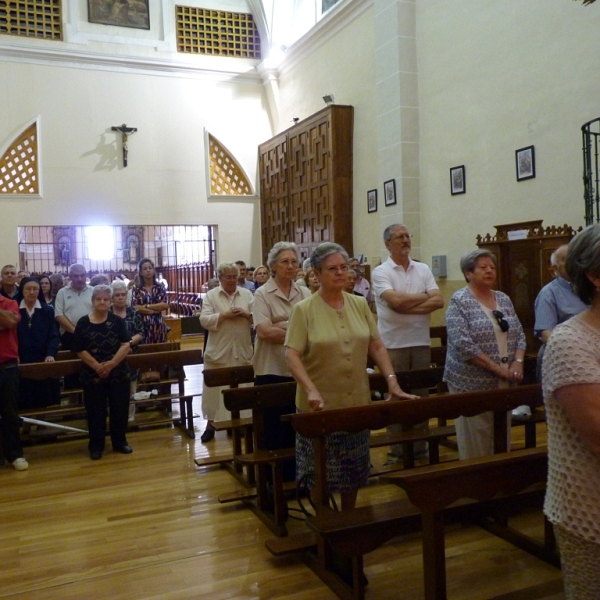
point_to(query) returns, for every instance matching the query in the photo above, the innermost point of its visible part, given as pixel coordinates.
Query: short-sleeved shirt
(555, 304)
(102, 341)
(572, 492)
(333, 345)
(271, 306)
(399, 330)
(72, 304)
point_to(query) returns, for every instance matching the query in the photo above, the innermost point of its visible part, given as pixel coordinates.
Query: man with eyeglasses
(405, 295)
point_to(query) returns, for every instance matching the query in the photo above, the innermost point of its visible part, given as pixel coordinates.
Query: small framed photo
(389, 189)
(458, 183)
(372, 201)
(525, 158)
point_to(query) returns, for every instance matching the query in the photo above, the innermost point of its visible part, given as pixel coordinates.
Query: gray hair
(277, 249)
(102, 289)
(322, 251)
(57, 277)
(351, 272)
(553, 260)
(99, 279)
(77, 267)
(583, 259)
(389, 230)
(118, 284)
(469, 260)
(227, 267)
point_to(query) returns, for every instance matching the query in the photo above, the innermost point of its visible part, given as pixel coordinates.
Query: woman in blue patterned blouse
(486, 347)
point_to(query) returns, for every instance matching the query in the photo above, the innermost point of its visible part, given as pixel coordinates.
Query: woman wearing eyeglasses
(327, 343)
(486, 347)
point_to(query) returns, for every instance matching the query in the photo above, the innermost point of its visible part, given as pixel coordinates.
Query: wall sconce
(328, 99)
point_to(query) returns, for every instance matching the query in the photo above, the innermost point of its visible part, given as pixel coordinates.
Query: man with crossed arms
(405, 295)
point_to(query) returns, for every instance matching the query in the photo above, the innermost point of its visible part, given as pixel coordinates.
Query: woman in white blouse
(571, 382)
(227, 315)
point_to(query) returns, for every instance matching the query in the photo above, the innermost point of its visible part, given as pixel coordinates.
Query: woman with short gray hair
(273, 303)
(469, 260)
(330, 335)
(227, 315)
(101, 341)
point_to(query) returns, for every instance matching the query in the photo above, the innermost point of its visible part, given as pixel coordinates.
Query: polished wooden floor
(148, 526)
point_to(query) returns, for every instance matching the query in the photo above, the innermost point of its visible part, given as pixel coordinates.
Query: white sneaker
(20, 464)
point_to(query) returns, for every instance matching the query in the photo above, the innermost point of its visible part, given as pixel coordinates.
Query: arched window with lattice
(19, 164)
(227, 178)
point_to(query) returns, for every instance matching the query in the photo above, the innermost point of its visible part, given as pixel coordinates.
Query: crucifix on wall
(125, 133)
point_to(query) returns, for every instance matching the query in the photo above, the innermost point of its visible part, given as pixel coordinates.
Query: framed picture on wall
(389, 190)
(458, 183)
(372, 201)
(525, 158)
(122, 13)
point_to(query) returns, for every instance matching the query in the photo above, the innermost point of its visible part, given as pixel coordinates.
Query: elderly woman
(101, 341)
(312, 281)
(571, 382)
(273, 304)
(38, 342)
(486, 347)
(149, 298)
(227, 315)
(329, 337)
(135, 329)
(261, 275)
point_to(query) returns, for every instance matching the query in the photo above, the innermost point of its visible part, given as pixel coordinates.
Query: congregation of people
(316, 323)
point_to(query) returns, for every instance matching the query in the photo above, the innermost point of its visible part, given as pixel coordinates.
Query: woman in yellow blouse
(328, 339)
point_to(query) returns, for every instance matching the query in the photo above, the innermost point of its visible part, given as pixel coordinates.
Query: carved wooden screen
(18, 164)
(524, 265)
(306, 195)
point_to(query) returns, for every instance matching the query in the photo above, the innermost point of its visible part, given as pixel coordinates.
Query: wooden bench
(343, 538)
(433, 489)
(241, 429)
(268, 502)
(150, 360)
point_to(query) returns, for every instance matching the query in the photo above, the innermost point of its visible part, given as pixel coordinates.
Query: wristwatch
(147, 305)
(519, 360)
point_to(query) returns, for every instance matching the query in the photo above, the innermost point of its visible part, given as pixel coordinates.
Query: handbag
(149, 377)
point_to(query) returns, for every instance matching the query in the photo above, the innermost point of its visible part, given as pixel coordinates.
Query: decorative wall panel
(18, 164)
(306, 182)
(227, 178)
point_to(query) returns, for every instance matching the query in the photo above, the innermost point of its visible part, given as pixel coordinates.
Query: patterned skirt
(348, 461)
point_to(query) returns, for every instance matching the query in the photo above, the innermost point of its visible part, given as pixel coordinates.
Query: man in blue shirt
(555, 304)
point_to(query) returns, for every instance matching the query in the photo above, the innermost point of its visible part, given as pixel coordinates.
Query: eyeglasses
(338, 269)
(501, 320)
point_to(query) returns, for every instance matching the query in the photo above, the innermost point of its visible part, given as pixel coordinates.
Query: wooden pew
(345, 537)
(151, 360)
(270, 507)
(241, 429)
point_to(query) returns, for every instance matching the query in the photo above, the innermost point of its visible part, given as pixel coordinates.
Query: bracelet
(392, 376)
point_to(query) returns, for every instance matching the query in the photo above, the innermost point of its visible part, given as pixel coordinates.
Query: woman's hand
(49, 359)
(315, 401)
(105, 368)
(396, 392)
(240, 312)
(515, 372)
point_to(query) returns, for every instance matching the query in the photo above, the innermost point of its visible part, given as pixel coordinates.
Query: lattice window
(216, 32)
(31, 18)
(227, 178)
(18, 165)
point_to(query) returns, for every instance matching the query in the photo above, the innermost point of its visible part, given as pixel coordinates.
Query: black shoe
(124, 449)
(95, 454)
(207, 436)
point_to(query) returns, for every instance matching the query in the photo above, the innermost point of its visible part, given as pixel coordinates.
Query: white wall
(495, 77)
(84, 182)
(343, 66)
